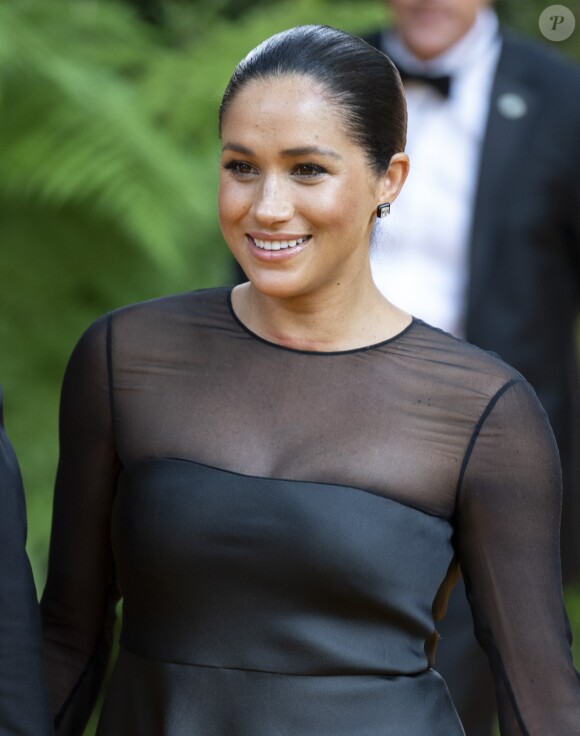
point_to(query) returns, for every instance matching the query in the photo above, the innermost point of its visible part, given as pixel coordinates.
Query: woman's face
(297, 198)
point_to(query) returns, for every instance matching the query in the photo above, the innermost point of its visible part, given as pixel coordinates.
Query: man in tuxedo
(484, 240)
(23, 699)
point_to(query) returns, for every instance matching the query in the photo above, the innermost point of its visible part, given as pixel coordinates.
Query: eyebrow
(287, 152)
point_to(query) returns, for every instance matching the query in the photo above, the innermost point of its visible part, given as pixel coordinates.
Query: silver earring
(383, 210)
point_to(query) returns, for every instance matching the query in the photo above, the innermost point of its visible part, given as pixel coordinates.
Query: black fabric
(23, 698)
(440, 83)
(465, 668)
(282, 527)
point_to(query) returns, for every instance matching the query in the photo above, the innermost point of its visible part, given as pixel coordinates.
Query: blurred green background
(108, 177)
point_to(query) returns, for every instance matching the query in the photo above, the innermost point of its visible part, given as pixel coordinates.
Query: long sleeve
(507, 540)
(78, 605)
(23, 699)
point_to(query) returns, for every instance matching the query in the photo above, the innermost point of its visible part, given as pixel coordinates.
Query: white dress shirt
(419, 256)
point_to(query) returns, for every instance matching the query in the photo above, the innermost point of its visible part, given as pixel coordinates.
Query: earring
(383, 210)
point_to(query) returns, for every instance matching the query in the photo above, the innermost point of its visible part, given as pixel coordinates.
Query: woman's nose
(273, 202)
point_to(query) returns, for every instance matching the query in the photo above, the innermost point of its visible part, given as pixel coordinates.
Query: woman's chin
(277, 285)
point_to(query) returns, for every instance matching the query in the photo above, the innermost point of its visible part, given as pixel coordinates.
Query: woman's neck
(345, 318)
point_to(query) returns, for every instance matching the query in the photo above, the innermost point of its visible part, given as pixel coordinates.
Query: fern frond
(73, 132)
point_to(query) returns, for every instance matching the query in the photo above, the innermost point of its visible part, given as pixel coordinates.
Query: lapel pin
(512, 105)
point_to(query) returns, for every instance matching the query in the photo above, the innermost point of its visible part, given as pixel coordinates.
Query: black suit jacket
(524, 276)
(23, 700)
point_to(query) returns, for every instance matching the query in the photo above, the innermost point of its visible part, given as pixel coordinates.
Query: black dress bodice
(283, 527)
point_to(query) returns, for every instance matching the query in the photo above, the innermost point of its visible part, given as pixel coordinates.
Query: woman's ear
(394, 177)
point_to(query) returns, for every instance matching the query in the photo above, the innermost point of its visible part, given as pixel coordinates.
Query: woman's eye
(309, 171)
(241, 168)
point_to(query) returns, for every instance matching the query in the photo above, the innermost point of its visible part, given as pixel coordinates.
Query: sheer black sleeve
(79, 599)
(23, 700)
(507, 541)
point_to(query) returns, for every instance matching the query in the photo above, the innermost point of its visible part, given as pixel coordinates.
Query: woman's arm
(78, 605)
(23, 699)
(508, 521)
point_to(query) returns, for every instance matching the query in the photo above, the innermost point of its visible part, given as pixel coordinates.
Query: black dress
(284, 525)
(24, 707)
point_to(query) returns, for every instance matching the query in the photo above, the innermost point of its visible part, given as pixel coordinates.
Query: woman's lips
(279, 244)
(276, 249)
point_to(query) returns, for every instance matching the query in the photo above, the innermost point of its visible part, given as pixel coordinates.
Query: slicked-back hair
(362, 81)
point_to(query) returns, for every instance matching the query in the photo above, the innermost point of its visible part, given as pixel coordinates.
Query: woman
(23, 699)
(279, 479)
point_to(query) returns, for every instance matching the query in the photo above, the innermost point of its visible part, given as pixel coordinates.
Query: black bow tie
(441, 84)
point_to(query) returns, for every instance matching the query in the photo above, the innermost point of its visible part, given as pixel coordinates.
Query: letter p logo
(557, 23)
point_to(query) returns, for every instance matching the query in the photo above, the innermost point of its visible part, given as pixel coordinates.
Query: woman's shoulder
(189, 303)
(161, 310)
(136, 329)
(469, 383)
(450, 359)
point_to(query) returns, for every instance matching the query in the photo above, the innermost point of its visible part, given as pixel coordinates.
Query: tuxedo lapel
(513, 115)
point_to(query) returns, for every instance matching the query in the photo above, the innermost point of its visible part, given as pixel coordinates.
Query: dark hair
(360, 79)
